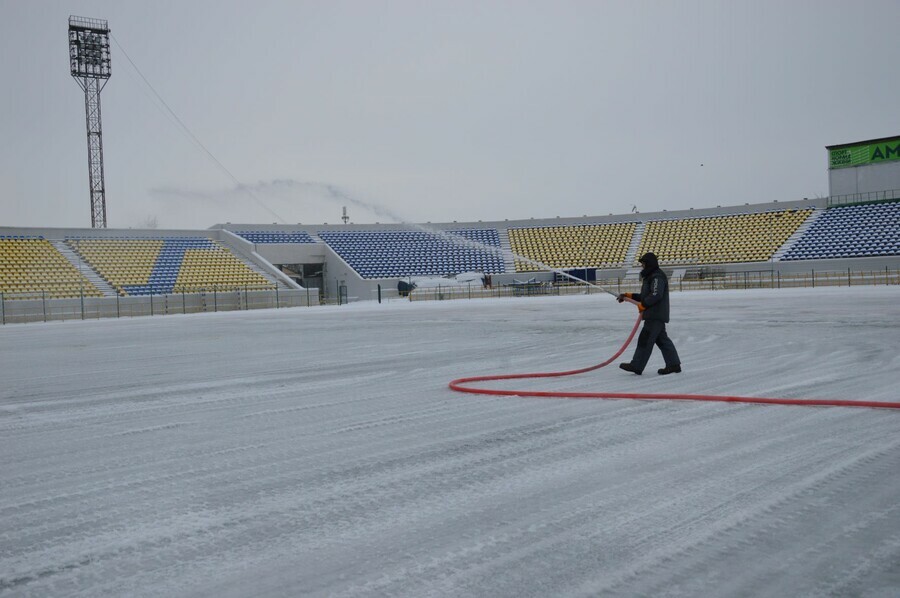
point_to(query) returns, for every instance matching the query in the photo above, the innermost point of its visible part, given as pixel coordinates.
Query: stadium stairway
(84, 268)
(631, 255)
(509, 262)
(801, 230)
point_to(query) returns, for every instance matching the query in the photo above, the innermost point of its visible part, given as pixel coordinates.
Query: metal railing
(767, 279)
(762, 279)
(38, 306)
(872, 196)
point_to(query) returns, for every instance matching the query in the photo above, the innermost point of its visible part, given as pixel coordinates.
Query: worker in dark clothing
(653, 303)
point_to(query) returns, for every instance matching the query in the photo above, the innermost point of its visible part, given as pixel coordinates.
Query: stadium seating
(214, 266)
(123, 263)
(851, 231)
(167, 265)
(393, 253)
(265, 236)
(753, 237)
(30, 266)
(579, 246)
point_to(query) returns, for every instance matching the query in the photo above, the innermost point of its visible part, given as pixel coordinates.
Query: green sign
(860, 155)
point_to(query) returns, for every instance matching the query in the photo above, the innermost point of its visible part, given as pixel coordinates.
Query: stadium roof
(855, 143)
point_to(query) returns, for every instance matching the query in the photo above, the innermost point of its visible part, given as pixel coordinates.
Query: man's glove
(623, 296)
(641, 307)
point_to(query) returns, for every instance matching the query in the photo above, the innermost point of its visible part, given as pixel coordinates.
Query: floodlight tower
(90, 66)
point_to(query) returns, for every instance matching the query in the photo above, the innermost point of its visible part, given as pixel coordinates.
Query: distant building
(864, 166)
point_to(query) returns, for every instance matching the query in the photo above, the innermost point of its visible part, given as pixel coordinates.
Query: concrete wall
(292, 253)
(245, 249)
(864, 179)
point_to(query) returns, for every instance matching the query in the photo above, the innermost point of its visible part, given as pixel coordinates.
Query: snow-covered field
(319, 452)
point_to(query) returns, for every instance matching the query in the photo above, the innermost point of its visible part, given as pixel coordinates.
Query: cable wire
(193, 138)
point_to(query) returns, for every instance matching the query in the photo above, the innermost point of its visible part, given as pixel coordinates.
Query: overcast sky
(439, 111)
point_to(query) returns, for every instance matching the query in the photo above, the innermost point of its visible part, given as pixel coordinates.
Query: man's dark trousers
(654, 333)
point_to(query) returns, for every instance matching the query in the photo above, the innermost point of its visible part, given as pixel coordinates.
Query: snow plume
(231, 202)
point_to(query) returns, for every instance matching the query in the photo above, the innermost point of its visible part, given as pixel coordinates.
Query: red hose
(457, 385)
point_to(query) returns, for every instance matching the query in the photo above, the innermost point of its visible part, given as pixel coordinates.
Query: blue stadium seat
(276, 236)
(380, 254)
(851, 231)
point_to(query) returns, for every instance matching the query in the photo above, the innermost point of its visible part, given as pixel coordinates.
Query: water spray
(340, 195)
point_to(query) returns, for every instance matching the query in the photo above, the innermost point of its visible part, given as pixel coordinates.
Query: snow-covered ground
(319, 452)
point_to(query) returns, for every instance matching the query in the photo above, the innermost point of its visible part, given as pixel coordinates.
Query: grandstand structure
(737, 238)
(357, 261)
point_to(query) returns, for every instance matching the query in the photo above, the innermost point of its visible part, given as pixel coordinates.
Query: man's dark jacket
(654, 295)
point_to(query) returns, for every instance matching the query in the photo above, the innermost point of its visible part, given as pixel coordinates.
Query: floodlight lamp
(89, 48)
